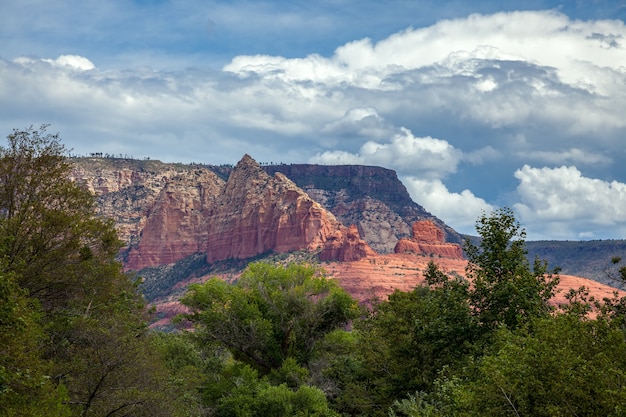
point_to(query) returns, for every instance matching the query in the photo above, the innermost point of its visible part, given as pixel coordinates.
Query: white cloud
(543, 37)
(429, 157)
(506, 69)
(562, 202)
(73, 61)
(360, 121)
(459, 210)
(573, 155)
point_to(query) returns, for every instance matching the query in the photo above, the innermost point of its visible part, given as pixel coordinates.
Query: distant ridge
(590, 259)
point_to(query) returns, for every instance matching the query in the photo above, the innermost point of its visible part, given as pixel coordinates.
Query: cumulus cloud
(462, 101)
(430, 157)
(544, 37)
(460, 210)
(501, 70)
(561, 201)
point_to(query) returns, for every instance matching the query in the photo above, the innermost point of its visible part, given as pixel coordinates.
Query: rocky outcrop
(257, 213)
(371, 197)
(428, 239)
(176, 224)
(345, 245)
(126, 190)
(166, 212)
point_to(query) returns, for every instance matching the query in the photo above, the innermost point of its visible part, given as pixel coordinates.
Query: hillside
(373, 198)
(182, 223)
(589, 259)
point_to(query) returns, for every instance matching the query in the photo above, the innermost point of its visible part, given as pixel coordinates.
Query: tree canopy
(72, 324)
(271, 313)
(506, 290)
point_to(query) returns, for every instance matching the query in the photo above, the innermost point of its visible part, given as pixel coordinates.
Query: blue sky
(476, 104)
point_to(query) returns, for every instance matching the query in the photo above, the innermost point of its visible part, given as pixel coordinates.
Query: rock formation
(373, 198)
(176, 224)
(428, 239)
(167, 212)
(257, 213)
(345, 245)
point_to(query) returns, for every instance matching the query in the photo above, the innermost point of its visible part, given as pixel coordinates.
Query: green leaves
(562, 366)
(48, 224)
(271, 321)
(271, 313)
(505, 290)
(73, 337)
(25, 386)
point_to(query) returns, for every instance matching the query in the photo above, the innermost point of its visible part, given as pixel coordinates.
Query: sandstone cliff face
(176, 224)
(257, 213)
(126, 190)
(428, 239)
(345, 245)
(373, 198)
(172, 212)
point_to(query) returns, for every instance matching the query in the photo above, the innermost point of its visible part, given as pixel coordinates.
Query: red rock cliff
(257, 213)
(176, 224)
(166, 212)
(428, 239)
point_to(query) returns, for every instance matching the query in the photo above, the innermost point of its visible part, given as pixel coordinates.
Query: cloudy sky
(475, 104)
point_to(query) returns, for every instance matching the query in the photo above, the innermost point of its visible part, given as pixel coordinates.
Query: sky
(476, 105)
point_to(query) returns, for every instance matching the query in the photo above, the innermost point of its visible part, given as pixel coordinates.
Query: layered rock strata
(169, 213)
(371, 197)
(257, 213)
(428, 239)
(176, 225)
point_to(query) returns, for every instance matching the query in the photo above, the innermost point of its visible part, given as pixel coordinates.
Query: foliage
(563, 366)
(529, 360)
(506, 290)
(25, 386)
(50, 233)
(258, 397)
(271, 313)
(186, 369)
(76, 316)
(406, 342)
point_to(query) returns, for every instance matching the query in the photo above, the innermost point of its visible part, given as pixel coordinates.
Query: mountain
(166, 213)
(372, 198)
(182, 223)
(591, 259)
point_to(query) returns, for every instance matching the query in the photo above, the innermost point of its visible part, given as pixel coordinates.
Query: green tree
(271, 313)
(257, 397)
(505, 289)
(565, 366)
(48, 224)
(188, 368)
(61, 256)
(409, 340)
(25, 386)
(414, 341)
